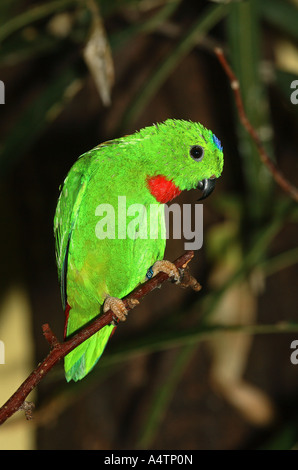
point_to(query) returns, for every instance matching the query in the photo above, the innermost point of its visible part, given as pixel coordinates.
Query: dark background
(217, 391)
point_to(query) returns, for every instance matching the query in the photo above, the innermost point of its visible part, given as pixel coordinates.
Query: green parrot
(98, 261)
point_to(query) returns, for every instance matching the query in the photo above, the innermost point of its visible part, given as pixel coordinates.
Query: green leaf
(33, 14)
(244, 36)
(281, 14)
(31, 123)
(162, 397)
(201, 26)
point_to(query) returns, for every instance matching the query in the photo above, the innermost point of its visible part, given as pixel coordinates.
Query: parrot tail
(79, 362)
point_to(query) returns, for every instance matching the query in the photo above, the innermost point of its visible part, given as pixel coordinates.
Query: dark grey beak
(206, 186)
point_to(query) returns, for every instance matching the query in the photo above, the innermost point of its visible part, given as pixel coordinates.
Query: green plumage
(90, 268)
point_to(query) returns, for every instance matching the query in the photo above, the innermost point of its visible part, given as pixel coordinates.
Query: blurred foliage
(42, 65)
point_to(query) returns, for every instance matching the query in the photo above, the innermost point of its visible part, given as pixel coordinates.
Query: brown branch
(277, 175)
(59, 350)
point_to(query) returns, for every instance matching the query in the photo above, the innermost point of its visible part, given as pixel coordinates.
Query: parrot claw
(118, 308)
(165, 267)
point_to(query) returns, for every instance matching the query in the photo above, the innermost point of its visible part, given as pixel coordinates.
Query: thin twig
(59, 350)
(277, 175)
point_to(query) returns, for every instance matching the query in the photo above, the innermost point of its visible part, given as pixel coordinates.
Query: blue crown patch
(217, 143)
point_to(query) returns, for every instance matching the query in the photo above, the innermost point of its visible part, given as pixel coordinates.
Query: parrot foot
(118, 308)
(164, 266)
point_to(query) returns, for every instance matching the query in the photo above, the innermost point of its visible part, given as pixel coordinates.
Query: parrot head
(178, 155)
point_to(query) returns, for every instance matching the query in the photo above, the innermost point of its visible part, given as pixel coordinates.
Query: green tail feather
(79, 362)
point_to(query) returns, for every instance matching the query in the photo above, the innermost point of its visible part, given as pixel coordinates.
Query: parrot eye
(196, 152)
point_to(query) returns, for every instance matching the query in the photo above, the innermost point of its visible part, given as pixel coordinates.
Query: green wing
(68, 205)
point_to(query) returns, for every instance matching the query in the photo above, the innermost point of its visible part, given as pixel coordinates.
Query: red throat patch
(162, 189)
